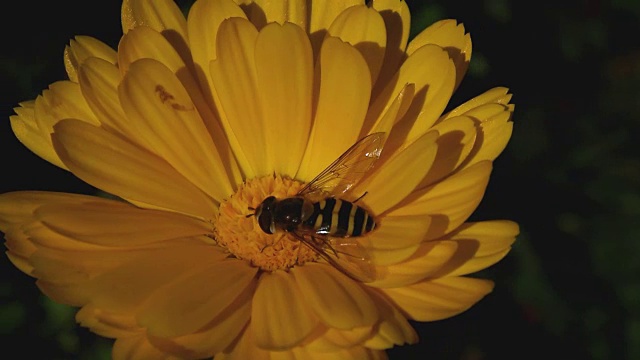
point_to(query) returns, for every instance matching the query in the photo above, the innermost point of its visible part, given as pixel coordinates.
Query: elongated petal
(397, 20)
(104, 278)
(480, 245)
(430, 257)
(455, 143)
(364, 28)
(138, 347)
(262, 12)
(336, 299)
(235, 91)
(203, 22)
(167, 315)
(343, 98)
(333, 340)
(450, 36)
(323, 13)
(146, 43)
(497, 95)
(121, 168)
(384, 257)
(160, 15)
(494, 131)
(397, 232)
(386, 188)
(18, 208)
(99, 80)
(433, 74)
(166, 117)
(106, 323)
(245, 348)
(392, 113)
(280, 318)
(450, 202)
(438, 299)
(92, 219)
(393, 329)
(217, 336)
(284, 69)
(63, 100)
(82, 48)
(26, 129)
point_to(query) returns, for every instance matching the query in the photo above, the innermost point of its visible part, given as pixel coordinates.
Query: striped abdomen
(339, 218)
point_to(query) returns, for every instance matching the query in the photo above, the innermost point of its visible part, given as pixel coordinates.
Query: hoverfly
(324, 222)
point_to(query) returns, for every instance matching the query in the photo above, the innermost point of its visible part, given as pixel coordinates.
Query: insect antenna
(252, 214)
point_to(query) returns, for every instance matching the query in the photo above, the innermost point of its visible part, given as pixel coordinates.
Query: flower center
(244, 238)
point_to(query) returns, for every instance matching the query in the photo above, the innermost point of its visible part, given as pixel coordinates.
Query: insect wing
(347, 170)
(345, 254)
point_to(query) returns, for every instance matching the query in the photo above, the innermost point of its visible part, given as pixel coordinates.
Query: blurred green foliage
(570, 177)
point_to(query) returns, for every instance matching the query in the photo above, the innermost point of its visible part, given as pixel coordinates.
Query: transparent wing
(345, 254)
(347, 170)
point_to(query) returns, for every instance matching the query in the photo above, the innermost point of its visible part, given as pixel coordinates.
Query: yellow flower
(192, 121)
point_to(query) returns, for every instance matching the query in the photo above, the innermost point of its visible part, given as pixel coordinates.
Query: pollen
(238, 231)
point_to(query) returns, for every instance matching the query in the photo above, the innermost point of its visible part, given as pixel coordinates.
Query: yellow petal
(82, 48)
(63, 100)
(91, 220)
(245, 348)
(166, 315)
(356, 352)
(18, 207)
(26, 129)
(450, 201)
(104, 277)
(203, 22)
(430, 257)
(217, 335)
(451, 36)
(161, 15)
(397, 177)
(143, 42)
(333, 340)
(398, 232)
(262, 12)
(125, 170)
(280, 318)
(392, 113)
(384, 257)
(397, 19)
(20, 250)
(364, 28)
(343, 99)
(433, 74)
(393, 329)
(493, 135)
(480, 245)
(99, 81)
(284, 69)
(498, 95)
(235, 91)
(438, 299)
(155, 100)
(455, 143)
(336, 299)
(323, 13)
(138, 347)
(106, 323)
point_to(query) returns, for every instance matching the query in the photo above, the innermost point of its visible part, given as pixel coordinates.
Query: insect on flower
(319, 218)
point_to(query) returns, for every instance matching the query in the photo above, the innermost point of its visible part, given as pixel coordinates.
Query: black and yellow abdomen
(339, 218)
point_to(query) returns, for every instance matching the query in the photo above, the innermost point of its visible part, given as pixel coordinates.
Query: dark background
(570, 177)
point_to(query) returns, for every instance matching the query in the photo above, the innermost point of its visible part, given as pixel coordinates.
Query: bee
(319, 218)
